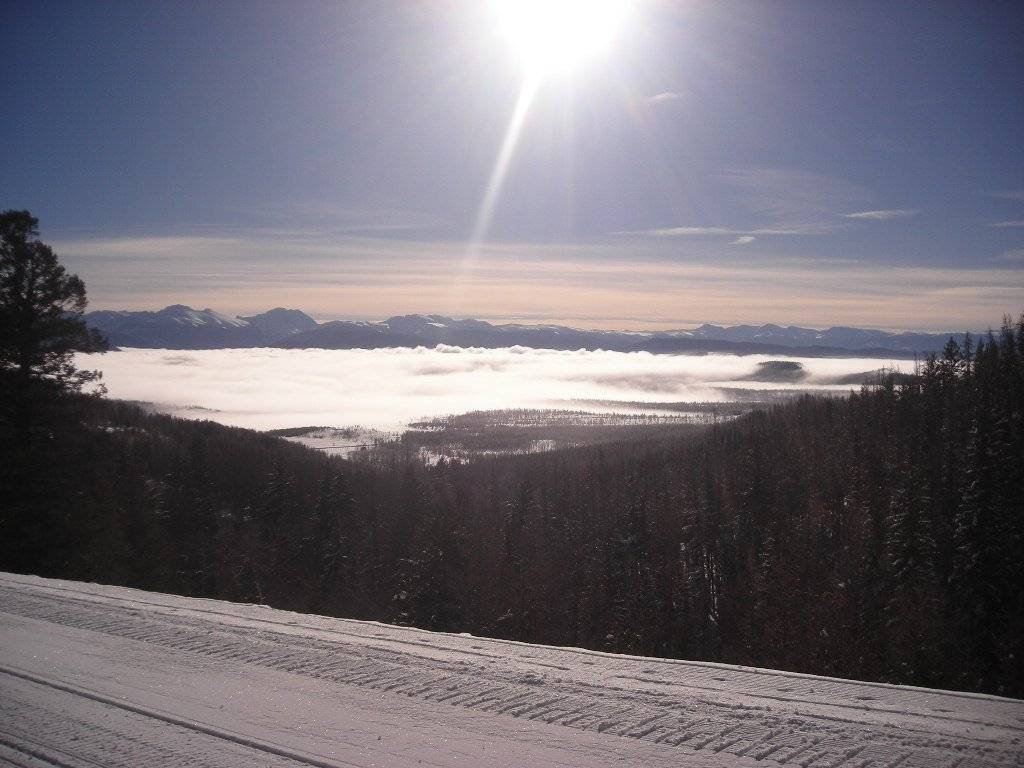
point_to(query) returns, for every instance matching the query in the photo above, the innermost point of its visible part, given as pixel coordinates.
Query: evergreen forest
(875, 537)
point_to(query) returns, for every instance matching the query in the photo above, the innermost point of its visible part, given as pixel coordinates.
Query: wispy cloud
(1012, 224)
(665, 97)
(1009, 194)
(1014, 254)
(722, 232)
(790, 199)
(883, 215)
(682, 232)
(654, 282)
(328, 216)
(783, 201)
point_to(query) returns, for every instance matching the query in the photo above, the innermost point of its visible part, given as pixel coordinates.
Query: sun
(556, 36)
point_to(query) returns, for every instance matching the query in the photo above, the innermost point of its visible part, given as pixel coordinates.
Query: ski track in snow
(97, 675)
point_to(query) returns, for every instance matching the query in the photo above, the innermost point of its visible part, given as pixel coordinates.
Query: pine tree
(41, 327)
(41, 309)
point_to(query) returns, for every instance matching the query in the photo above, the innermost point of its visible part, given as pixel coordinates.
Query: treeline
(875, 537)
(480, 433)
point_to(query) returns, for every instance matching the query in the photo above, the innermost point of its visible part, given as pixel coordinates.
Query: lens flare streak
(502, 163)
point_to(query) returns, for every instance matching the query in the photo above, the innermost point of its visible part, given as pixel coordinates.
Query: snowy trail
(110, 676)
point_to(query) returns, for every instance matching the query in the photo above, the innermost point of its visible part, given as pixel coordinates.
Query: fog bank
(387, 388)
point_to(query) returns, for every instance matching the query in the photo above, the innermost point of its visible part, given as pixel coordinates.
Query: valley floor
(97, 675)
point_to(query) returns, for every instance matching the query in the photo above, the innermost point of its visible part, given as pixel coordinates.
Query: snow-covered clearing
(96, 675)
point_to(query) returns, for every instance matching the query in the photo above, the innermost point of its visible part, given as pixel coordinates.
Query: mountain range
(181, 327)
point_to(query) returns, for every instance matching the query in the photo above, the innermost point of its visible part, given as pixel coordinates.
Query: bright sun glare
(553, 36)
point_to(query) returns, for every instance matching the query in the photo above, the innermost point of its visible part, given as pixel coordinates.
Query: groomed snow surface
(94, 675)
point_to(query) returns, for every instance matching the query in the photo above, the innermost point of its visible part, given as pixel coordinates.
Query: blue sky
(817, 163)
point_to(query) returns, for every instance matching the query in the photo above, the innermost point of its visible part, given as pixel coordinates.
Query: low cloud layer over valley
(388, 388)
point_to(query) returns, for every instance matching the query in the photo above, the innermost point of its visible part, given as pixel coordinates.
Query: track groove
(218, 733)
(684, 706)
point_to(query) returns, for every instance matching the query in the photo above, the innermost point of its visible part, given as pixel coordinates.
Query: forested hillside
(877, 537)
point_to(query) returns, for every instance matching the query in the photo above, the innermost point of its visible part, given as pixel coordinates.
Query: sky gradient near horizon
(819, 164)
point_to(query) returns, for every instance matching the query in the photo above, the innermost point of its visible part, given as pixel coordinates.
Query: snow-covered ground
(342, 441)
(96, 675)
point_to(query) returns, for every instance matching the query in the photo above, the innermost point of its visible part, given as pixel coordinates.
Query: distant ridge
(181, 327)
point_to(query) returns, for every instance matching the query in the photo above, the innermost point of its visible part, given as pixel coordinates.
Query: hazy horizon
(607, 292)
(583, 323)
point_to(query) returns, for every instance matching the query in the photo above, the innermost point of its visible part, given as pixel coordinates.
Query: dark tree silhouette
(41, 308)
(41, 326)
